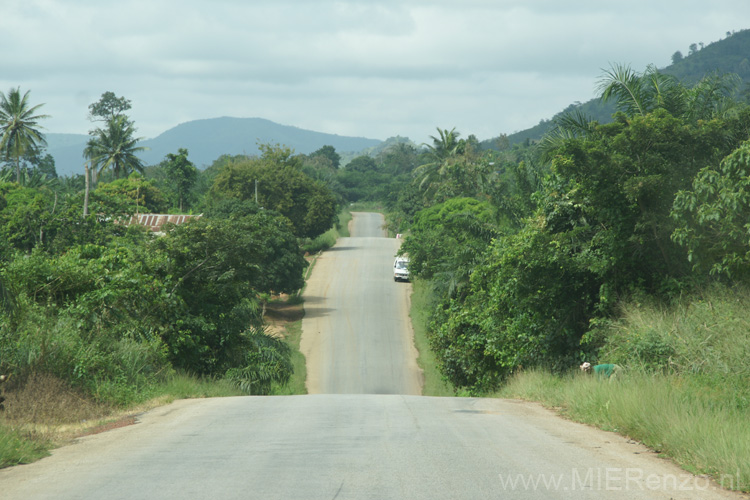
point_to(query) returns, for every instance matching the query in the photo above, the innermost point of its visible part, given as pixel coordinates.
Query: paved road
(325, 446)
(353, 446)
(356, 334)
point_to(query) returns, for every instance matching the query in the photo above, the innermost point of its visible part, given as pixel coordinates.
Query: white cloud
(357, 67)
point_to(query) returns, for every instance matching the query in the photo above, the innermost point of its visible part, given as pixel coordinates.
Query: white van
(401, 269)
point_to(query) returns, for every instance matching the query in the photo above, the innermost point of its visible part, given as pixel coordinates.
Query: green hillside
(730, 55)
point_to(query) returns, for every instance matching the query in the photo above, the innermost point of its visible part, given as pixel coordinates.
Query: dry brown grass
(44, 408)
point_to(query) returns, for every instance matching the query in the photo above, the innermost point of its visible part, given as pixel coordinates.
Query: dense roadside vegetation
(620, 243)
(625, 242)
(100, 316)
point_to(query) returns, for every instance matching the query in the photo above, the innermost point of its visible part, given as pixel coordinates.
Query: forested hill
(208, 139)
(730, 55)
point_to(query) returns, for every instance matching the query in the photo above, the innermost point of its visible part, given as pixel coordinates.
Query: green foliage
(218, 268)
(281, 186)
(86, 316)
(182, 175)
(527, 305)
(113, 311)
(329, 153)
(423, 301)
(598, 227)
(713, 218)
(18, 127)
(132, 194)
(268, 362)
(447, 240)
(108, 106)
(115, 148)
(25, 214)
(613, 194)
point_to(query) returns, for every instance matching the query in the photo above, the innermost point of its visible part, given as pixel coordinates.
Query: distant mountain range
(206, 140)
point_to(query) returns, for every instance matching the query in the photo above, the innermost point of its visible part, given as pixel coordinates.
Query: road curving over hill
(353, 441)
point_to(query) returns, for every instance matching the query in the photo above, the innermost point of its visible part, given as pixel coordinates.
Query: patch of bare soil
(108, 426)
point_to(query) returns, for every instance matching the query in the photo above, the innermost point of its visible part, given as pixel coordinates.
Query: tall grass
(685, 390)
(422, 303)
(662, 411)
(44, 411)
(14, 449)
(296, 384)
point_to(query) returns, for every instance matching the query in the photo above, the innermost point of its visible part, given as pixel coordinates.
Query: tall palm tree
(442, 149)
(115, 148)
(18, 125)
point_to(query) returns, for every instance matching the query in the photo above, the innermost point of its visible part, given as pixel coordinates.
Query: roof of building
(156, 221)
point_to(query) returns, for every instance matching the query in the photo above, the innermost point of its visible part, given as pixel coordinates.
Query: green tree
(713, 217)
(18, 125)
(330, 153)
(182, 174)
(115, 148)
(639, 94)
(218, 268)
(448, 240)
(108, 106)
(138, 194)
(281, 186)
(442, 149)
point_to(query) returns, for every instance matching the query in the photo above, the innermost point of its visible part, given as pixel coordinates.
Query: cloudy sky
(369, 68)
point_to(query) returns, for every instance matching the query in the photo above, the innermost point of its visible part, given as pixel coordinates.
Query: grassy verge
(45, 412)
(665, 412)
(345, 218)
(286, 318)
(685, 391)
(421, 305)
(297, 384)
(328, 239)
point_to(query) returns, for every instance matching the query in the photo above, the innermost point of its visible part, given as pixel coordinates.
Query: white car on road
(401, 269)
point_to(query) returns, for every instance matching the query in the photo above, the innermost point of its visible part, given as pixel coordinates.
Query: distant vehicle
(401, 269)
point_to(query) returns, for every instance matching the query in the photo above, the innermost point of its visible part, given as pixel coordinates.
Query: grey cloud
(362, 67)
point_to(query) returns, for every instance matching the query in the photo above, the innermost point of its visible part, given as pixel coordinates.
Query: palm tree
(18, 125)
(115, 148)
(637, 94)
(442, 148)
(640, 94)
(643, 93)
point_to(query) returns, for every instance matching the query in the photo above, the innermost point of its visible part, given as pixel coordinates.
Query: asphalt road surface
(356, 333)
(347, 444)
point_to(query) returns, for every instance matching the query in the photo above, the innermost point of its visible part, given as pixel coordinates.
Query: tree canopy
(281, 186)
